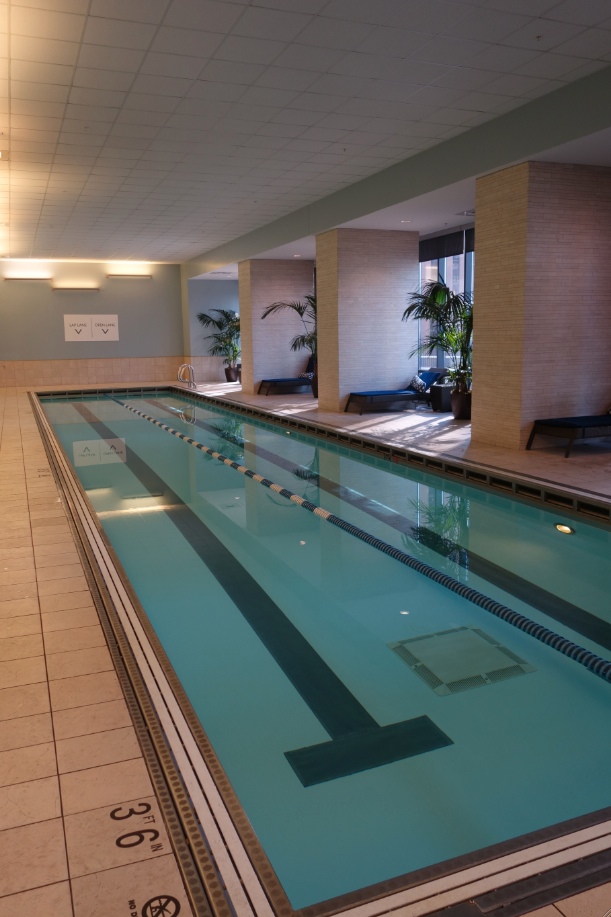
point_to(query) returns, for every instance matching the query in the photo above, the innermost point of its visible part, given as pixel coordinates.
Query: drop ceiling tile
(379, 108)
(173, 65)
(281, 78)
(26, 134)
(136, 10)
(453, 51)
(118, 33)
(204, 14)
(502, 58)
(105, 58)
(31, 122)
(39, 91)
(487, 25)
(91, 113)
(417, 72)
(343, 122)
(204, 108)
(324, 32)
(44, 50)
(64, 6)
(32, 107)
(482, 101)
(543, 35)
(186, 41)
(259, 95)
(102, 79)
(215, 91)
(307, 57)
(282, 130)
(249, 50)
(398, 43)
(587, 68)
(515, 84)
(161, 85)
(106, 97)
(593, 44)
(257, 22)
(46, 24)
(466, 78)
(121, 129)
(227, 72)
(145, 102)
(85, 126)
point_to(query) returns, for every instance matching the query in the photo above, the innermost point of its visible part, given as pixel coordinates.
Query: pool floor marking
(577, 619)
(364, 744)
(591, 661)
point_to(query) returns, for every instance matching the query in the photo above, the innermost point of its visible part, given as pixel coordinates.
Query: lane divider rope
(595, 664)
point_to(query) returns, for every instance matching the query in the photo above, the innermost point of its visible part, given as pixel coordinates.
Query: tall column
(363, 281)
(266, 345)
(542, 316)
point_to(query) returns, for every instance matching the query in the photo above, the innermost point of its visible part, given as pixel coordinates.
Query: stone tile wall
(266, 345)
(542, 304)
(363, 279)
(19, 373)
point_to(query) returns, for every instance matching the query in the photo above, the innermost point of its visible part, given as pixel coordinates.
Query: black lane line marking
(594, 663)
(364, 744)
(577, 619)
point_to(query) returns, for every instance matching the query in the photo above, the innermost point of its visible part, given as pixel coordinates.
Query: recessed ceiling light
(296, 256)
(565, 529)
(466, 213)
(406, 221)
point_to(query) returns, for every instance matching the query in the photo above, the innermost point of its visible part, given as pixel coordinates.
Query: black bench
(284, 386)
(391, 400)
(590, 427)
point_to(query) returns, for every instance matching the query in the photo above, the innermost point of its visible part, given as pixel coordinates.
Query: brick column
(266, 345)
(542, 315)
(363, 281)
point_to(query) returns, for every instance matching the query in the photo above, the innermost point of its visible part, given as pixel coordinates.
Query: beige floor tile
(94, 838)
(26, 700)
(594, 903)
(57, 520)
(79, 662)
(52, 511)
(61, 571)
(61, 536)
(19, 591)
(26, 553)
(51, 560)
(67, 620)
(14, 607)
(28, 802)
(32, 856)
(12, 541)
(62, 586)
(29, 763)
(77, 638)
(153, 882)
(84, 690)
(19, 627)
(60, 546)
(80, 721)
(25, 562)
(22, 672)
(26, 730)
(549, 911)
(97, 749)
(66, 601)
(104, 786)
(53, 900)
(11, 577)
(20, 647)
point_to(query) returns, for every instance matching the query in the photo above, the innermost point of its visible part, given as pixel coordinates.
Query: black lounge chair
(296, 384)
(393, 400)
(588, 427)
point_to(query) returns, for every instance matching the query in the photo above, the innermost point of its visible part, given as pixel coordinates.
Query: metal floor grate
(459, 659)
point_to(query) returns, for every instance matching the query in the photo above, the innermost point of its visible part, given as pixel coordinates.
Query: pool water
(371, 722)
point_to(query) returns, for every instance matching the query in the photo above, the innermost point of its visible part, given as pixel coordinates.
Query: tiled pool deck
(71, 767)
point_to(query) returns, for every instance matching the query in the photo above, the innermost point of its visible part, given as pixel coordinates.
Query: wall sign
(99, 452)
(91, 327)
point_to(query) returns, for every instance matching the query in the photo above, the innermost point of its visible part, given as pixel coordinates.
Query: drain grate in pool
(459, 659)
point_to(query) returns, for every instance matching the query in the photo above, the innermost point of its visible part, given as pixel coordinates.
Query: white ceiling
(159, 129)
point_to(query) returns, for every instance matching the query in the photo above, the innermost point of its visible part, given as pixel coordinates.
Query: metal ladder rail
(190, 381)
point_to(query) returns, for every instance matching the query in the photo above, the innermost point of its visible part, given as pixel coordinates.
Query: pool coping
(423, 891)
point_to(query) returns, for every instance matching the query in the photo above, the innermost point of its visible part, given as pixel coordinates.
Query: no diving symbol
(162, 906)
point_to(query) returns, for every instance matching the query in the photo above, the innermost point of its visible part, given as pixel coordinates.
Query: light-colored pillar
(363, 280)
(542, 319)
(266, 345)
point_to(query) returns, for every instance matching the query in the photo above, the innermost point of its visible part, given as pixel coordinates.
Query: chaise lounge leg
(530, 438)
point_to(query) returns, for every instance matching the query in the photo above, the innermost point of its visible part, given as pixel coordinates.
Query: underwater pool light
(565, 529)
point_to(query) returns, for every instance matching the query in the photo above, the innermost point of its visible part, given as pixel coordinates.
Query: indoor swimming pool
(373, 719)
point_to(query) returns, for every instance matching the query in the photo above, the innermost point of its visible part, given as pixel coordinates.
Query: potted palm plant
(306, 310)
(451, 318)
(226, 339)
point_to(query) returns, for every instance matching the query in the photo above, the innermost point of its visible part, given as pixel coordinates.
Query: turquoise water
(304, 656)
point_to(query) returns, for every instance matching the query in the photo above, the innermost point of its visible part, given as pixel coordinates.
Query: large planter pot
(314, 382)
(231, 373)
(461, 405)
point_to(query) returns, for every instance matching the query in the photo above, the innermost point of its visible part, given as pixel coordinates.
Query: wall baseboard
(19, 373)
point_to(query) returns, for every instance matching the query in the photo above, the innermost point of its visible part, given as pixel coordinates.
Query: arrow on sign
(78, 331)
(105, 332)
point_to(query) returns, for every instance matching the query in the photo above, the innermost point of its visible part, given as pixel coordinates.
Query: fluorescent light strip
(48, 279)
(75, 289)
(130, 276)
